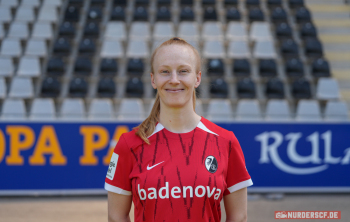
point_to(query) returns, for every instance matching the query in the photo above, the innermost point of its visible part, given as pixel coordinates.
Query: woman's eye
(164, 71)
(184, 70)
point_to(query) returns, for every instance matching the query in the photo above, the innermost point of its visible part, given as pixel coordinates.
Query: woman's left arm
(236, 206)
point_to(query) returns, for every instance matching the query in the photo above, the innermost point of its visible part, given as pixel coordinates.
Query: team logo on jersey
(211, 164)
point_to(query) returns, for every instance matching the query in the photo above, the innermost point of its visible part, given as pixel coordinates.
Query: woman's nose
(174, 78)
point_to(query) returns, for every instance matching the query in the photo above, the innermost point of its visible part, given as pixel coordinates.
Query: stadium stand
(279, 59)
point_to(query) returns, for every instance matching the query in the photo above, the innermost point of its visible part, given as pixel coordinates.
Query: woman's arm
(119, 207)
(236, 206)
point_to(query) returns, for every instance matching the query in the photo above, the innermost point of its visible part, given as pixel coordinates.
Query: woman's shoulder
(218, 130)
(131, 138)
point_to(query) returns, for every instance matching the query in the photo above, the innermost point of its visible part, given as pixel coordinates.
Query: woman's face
(175, 75)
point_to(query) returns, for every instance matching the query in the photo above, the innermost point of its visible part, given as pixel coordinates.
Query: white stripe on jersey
(240, 185)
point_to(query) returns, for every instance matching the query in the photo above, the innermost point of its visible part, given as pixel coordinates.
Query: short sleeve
(237, 174)
(117, 178)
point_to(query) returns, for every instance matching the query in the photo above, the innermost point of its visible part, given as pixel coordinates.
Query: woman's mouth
(174, 90)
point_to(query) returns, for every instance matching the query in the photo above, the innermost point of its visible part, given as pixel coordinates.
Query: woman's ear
(153, 81)
(198, 79)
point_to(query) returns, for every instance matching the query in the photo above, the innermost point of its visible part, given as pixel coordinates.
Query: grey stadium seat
(18, 30)
(33, 3)
(277, 110)
(260, 31)
(42, 109)
(5, 14)
(188, 31)
(55, 3)
(42, 30)
(219, 110)
(236, 31)
(137, 49)
(25, 14)
(13, 109)
(36, 47)
(131, 110)
(308, 110)
(101, 109)
(336, 111)
(140, 31)
(115, 31)
(7, 67)
(9, 3)
(112, 49)
(21, 88)
(264, 49)
(212, 31)
(163, 31)
(29, 67)
(248, 110)
(327, 88)
(238, 49)
(48, 13)
(3, 88)
(213, 49)
(73, 109)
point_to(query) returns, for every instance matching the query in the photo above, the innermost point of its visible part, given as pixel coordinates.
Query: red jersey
(179, 176)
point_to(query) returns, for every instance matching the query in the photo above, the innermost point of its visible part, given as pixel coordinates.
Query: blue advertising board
(73, 157)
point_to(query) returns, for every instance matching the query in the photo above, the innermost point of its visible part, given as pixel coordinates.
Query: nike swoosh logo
(148, 167)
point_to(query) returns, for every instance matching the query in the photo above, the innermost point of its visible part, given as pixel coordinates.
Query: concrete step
(339, 65)
(338, 56)
(341, 74)
(333, 38)
(329, 8)
(334, 47)
(340, 23)
(328, 2)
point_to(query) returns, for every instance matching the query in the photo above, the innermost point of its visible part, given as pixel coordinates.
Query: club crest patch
(211, 164)
(112, 166)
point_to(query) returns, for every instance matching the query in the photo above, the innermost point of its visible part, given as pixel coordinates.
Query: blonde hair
(146, 128)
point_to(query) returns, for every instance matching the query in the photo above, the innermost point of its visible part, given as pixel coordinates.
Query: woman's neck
(179, 120)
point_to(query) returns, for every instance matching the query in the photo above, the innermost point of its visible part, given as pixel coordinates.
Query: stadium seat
(289, 48)
(302, 15)
(213, 49)
(260, 31)
(208, 3)
(36, 47)
(91, 30)
(267, 68)
(42, 30)
(98, 2)
(163, 30)
(48, 13)
(21, 88)
(78, 3)
(24, 14)
(11, 47)
(236, 31)
(219, 110)
(7, 67)
(5, 15)
(215, 67)
(336, 111)
(313, 48)
(135, 66)
(55, 66)
(233, 14)
(111, 49)
(94, 14)
(164, 2)
(131, 110)
(83, 66)
(248, 110)
(296, 3)
(212, 31)
(72, 109)
(241, 68)
(277, 110)
(255, 14)
(274, 3)
(238, 49)
(13, 109)
(140, 31)
(101, 109)
(18, 30)
(108, 67)
(301, 89)
(134, 87)
(50, 87)
(29, 67)
(278, 15)
(186, 14)
(308, 111)
(56, 3)
(78, 87)
(218, 88)
(210, 14)
(3, 88)
(142, 2)
(72, 14)
(42, 109)
(62, 47)
(87, 47)
(115, 31)
(186, 2)
(283, 30)
(294, 68)
(118, 14)
(320, 68)
(188, 30)
(230, 3)
(137, 49)
(308, 30)
(252, 3)
(246, 89)
(327, 88)
(140, 14)
(120, 2)
(264, 49)
(10, 3)
(163, 14)
(106, 87)
(274, 89)
(67, 29)
(30, 3)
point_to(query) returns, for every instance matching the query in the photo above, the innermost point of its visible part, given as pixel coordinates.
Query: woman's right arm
(119, 207)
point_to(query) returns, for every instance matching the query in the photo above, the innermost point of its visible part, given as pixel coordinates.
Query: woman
(177, 165)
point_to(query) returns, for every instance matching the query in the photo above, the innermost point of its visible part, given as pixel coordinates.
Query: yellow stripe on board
(329, 8)
(335, 38)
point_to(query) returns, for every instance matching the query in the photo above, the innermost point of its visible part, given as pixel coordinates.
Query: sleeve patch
(112, 166)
